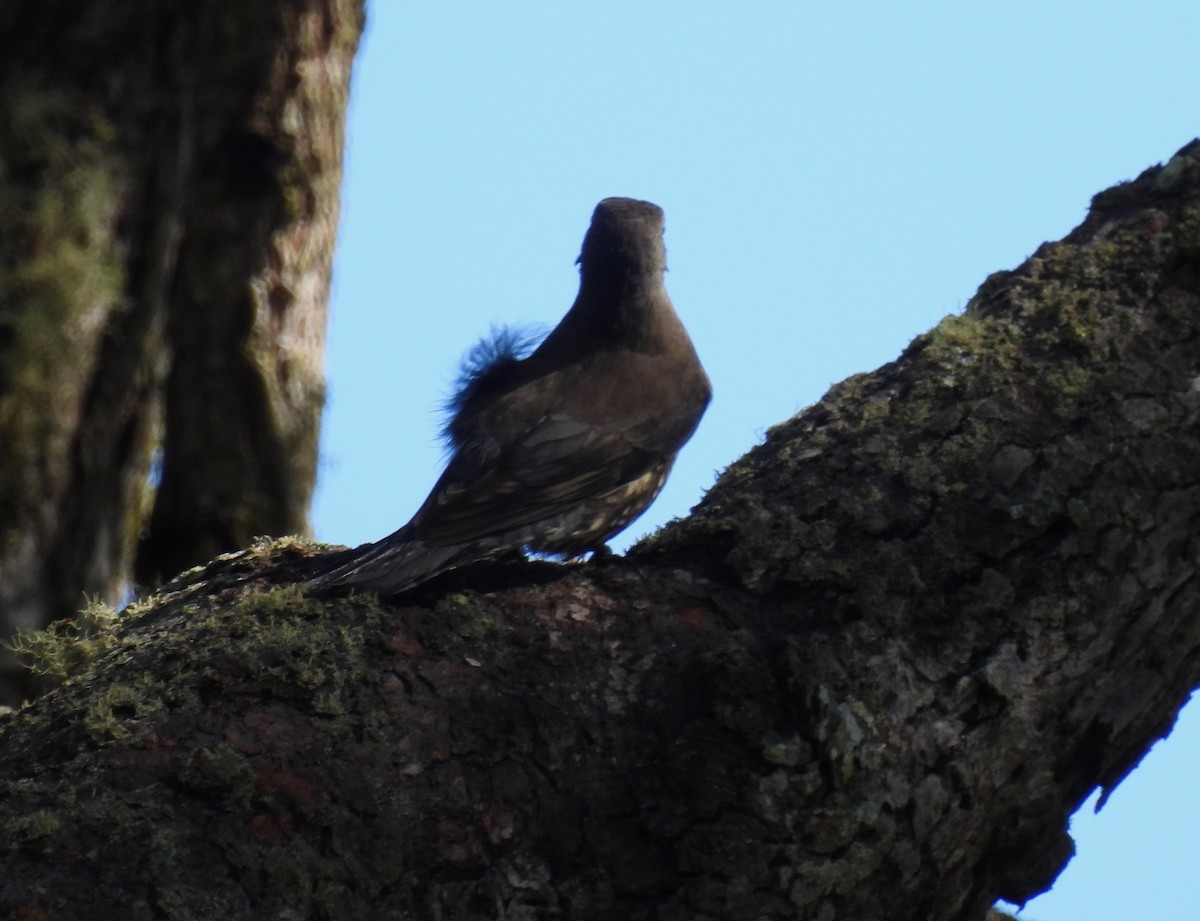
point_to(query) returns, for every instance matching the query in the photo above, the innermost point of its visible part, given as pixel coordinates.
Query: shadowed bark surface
(169, 177)
(869, 678)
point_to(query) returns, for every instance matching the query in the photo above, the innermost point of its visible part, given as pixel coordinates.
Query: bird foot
(601, 554)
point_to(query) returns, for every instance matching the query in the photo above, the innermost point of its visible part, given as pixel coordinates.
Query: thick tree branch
(870, 677)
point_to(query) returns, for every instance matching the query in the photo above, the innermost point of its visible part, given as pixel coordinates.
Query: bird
(556, 449)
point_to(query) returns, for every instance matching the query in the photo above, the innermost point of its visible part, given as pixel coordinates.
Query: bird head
(624, 243)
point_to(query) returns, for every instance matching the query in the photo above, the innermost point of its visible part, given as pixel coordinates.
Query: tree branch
(870, 677)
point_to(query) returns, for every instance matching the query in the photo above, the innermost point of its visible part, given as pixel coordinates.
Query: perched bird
(561, 449)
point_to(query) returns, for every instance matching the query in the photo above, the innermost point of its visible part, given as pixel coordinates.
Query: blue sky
(836, 179)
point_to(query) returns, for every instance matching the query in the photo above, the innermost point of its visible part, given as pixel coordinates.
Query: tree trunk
(869, 678)
(169, 177)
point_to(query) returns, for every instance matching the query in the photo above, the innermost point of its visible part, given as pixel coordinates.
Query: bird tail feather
(390, 566)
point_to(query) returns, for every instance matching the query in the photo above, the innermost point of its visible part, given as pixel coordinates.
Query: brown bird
(558, 451)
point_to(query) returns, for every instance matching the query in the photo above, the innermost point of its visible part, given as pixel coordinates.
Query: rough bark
(869, 678)
(169, 177)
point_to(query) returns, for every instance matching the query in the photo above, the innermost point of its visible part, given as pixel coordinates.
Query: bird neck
(636, 314)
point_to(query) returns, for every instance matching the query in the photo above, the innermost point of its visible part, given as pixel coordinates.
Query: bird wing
(560, 439)
(491, 488)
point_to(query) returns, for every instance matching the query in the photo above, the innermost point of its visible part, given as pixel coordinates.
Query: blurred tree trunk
(169, 179)
(870, 677)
